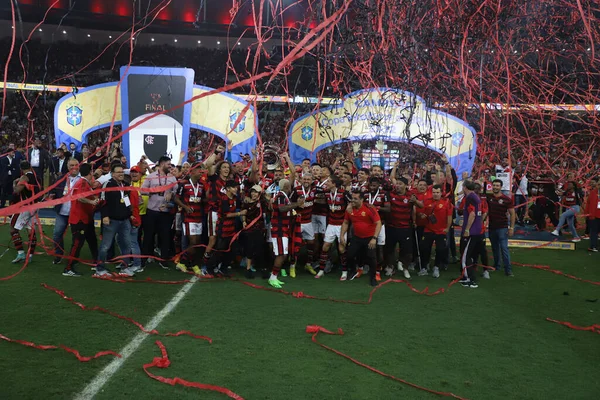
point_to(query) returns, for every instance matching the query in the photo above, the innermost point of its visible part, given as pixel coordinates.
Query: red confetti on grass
(316, 329)
(61, 346)
(134, 322)
(592, 328)
(164, 362)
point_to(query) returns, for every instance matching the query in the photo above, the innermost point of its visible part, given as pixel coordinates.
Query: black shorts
(403, 236)
(254, 244)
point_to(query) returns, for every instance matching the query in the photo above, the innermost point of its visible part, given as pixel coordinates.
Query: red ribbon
(301, 295)
(134, 322)
(557, 272)
(61, 346)
(592, 328)
(316, 329)
(164, 362)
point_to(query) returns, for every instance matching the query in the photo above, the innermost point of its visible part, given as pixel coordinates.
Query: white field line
(103, 376)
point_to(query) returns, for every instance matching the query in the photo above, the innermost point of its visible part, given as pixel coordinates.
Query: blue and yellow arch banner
(387, 114)
(146, 92)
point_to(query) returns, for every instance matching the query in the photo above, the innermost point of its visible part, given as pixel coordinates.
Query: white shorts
(192, 228)
(334, 232)
(381, 237)
(25, 219)
(308, 231)
(319, 224)
(178, 221)
(280, 246)
(213, 217)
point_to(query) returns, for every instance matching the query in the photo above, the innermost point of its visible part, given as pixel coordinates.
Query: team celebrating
(209, 215)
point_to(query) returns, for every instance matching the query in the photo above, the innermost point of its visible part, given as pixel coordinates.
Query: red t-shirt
(427, 195)
(441, 209)
(81, 212)
(364, 220)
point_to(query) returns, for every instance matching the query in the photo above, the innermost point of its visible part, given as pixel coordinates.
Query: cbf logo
(457, 139)
(307, 133)
(241, 126)
(74, 115)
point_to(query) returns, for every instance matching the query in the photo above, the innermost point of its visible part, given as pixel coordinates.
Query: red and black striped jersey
(318, 208)
(377, 199)
(31, 188)
(214, 192)
(191, 195)
(255, 211)
(281, 221)
(226, 226)
(309, 202)
(337, 203)
(401, 210)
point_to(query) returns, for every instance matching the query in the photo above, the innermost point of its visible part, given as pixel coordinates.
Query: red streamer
(592, 328)
(61, 346)
(134, 322)
(557, 272)
(316, 329)
(164, 362)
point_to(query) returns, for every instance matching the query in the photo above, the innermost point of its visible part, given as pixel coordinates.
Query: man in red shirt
(281, 221)
(189, 198)
(398, 228)
(337, 203)
(306, 190)
(367, 225)
(438, 216)
(225, 230)
(81, 220)
(378, 198)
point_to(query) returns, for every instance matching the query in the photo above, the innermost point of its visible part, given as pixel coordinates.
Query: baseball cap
(256, 188)
(135, 168)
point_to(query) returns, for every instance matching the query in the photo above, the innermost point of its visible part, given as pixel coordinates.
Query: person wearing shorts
(337, 203)
(189, 197)
(281, 220)
(306, 189)
(24, 188)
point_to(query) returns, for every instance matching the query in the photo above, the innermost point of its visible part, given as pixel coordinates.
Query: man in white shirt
(505, 174)
(39, 159)
(522, 195)
(63, 210)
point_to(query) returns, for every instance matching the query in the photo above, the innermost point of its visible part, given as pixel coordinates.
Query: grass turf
(492, 342)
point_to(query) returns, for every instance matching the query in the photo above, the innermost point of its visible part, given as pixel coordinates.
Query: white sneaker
(344, 276)
(555, 232)
(102, 272)
(406, 274)
(436, 272)
(423, 272)
(389, 271)
(126, 272)
(576, 240)
(486, 274)
(320, 274)
(411, 266)
(400, 267)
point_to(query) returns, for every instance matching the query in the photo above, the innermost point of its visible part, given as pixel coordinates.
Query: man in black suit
(9, 171)
(74, 153)
(40, 160)
(59, 165)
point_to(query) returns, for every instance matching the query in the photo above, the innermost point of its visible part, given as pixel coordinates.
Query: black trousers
(221, 254)
(83, 233)
(6, 190)
(157, 224)
(441, 249)
(254, 245)
(469, 251)
(359, 247)
(402, 236)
